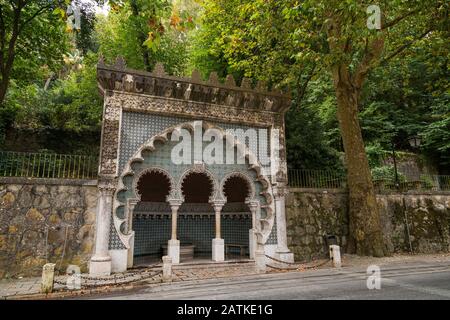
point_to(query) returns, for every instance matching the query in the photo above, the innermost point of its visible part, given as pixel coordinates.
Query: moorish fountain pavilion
(149, 205)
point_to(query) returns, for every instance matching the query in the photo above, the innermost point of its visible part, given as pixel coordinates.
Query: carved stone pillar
(218, 244)
(100, 263)
(282, 250)
(253, 206)
(173, 246)
(131, 204)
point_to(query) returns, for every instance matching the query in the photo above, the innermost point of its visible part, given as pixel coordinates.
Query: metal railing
(325, 179)
(320, 179)
(425, 182)
(47, 165)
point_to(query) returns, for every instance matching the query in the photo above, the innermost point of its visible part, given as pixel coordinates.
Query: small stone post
(167, 269)
(335, 255)
(260, 256)
(48, 275)
(260, 260)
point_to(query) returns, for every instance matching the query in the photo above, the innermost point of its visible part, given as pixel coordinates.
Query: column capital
(252, 204)
(107, 186)
(217, 204)
(280, 191)
(175, 203)
(133, 201)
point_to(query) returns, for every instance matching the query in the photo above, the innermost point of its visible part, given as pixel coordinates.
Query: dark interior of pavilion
(196, 220)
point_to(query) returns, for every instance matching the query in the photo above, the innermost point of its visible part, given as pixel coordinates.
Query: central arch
(195, 215)
(197, 187)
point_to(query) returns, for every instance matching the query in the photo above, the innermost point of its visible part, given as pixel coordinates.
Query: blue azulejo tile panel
(153, 231)
(139, 127)
(150, 233)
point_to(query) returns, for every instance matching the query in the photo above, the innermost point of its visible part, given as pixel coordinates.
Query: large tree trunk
(366, 236)
(3, 89)
(6, 74)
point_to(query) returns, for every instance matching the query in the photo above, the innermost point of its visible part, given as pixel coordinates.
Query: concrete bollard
(335, 255)
(48, 275)
(167, 269)
(260, 260)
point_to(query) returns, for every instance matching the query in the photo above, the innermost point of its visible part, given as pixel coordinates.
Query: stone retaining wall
(45, 220)
(54, 220)
(312, 214)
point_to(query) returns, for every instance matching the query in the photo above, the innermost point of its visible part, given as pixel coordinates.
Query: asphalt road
(409, 281)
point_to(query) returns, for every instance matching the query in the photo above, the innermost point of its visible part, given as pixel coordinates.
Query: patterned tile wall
(152, 233)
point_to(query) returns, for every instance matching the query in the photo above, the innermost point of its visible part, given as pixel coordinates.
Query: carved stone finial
(158, 70)
(229, 81)
(120, 63)
(268, 103)
(101, 60)
(213, 78)
(261, 86)
(196, 76)
(187, 93)
(246, 83)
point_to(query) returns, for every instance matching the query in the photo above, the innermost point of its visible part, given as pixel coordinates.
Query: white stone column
(282, 250)
(131, 205)
(253, 206)
(100, 263)
(218, 244)
(173, 246)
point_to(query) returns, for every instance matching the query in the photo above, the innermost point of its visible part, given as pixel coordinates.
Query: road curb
(75, 293)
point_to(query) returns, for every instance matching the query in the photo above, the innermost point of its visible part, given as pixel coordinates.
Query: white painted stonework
(335, 255)
(252, 243)
(218, 250)
(173, 250)
(100, 268)
(119, 260)
(282, 251)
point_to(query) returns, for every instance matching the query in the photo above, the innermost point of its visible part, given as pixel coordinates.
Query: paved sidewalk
(11, 288)
(21, 288)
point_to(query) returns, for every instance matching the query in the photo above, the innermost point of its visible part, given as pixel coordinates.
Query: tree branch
(304, 86)
(12, 41)
(2, 38)
(373, 53)
(34, 15)
(406, 45)
(399, 19)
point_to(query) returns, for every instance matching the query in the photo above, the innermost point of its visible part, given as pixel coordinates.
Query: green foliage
(376, 154)
(386, 173)
(72, 103)
(41, 43)
(283, 42)
(306, 145)
(84, 39)
(287, 43)
(120, 34)
(427, 182)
